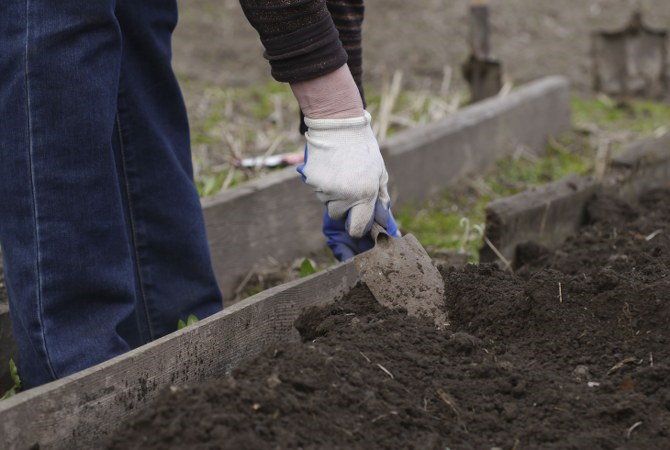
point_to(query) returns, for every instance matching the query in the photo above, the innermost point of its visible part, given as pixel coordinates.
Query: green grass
(637, 117)
(443, 222)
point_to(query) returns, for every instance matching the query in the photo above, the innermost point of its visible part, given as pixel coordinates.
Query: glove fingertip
(359, 220)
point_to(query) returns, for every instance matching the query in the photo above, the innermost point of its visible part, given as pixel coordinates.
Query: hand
(346, 169)
(345, 247)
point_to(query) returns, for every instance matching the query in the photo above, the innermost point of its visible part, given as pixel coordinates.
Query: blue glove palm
(344, 246)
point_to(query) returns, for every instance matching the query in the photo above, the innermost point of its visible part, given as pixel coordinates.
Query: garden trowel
(400, 274)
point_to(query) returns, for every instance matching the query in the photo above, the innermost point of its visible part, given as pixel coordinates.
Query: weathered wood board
(549, 214)
(80, 410)
(642, 166)
(546, 215)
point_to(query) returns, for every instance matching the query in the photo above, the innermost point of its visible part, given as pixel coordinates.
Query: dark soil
(571, 351)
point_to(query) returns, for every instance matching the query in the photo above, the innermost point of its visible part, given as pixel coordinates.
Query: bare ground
(215, 45)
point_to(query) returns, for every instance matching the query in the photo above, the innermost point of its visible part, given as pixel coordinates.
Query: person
(102, 232)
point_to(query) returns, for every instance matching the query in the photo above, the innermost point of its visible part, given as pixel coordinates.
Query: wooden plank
(423, 161)
(643, 153)
(480, 30)
(279, 217)
(80, 410)
(551, 213)
(546, 215)
(274, 217)
(642, 166)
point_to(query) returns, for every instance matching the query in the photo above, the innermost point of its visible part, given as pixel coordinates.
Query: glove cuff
(339, 124)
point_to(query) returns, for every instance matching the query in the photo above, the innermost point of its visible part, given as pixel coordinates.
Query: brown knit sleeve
(348, 17)
(299, 36)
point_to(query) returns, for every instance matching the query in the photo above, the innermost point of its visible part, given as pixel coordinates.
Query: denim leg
(174, 271)
(68, 265)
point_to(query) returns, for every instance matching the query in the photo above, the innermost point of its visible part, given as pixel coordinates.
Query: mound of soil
(571, 351)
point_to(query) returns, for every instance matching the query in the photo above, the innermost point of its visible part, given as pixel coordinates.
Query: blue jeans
(100, 223)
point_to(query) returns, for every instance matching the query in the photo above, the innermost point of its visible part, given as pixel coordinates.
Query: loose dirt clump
(571, 351)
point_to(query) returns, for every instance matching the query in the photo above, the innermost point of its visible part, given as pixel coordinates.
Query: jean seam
(133, 229)
(31, 149)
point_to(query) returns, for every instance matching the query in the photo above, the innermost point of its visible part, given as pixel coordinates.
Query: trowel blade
(400, 274)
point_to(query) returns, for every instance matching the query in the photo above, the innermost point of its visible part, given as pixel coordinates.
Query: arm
(308, 43)
(348, 16)
(343, 161)
(300, 38)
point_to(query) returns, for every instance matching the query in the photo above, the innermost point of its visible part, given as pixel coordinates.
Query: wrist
(331, 96)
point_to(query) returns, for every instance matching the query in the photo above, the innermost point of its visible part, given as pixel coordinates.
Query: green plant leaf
(190, 320)
(306, 268)
(9, 394)
(14, 373)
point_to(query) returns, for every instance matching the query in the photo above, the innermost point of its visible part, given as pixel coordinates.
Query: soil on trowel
(571, 351)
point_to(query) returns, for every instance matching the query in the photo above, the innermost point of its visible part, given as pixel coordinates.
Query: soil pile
(571, 351)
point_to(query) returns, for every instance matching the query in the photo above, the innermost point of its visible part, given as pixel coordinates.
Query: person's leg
(166, 221)
(68, 265)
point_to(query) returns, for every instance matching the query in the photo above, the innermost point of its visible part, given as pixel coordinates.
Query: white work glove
(346, 169)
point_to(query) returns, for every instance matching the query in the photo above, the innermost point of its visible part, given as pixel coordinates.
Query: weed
(14, 373)
(638, 117)
(190, 320)
(307, 268)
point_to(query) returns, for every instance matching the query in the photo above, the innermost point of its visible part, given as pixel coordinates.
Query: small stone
(273, 381)
(581, 372)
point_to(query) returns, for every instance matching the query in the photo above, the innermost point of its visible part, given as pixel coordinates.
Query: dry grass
(232, 124)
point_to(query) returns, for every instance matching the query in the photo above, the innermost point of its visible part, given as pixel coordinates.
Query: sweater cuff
(307, 53)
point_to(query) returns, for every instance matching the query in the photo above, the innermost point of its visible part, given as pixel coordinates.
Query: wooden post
(480, 30)
(483, 73)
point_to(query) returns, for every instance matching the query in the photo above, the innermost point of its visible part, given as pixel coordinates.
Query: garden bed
(91, 406)
(571, 351)
(85, 407)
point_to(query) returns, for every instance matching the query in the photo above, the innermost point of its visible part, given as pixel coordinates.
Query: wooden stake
(480, 29)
